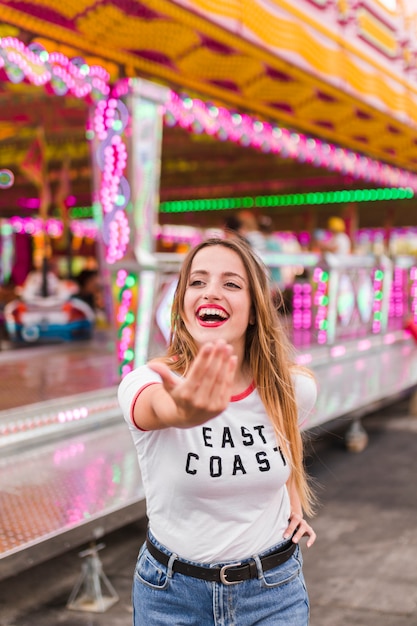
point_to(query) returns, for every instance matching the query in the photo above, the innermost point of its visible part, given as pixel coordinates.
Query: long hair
(268, 353)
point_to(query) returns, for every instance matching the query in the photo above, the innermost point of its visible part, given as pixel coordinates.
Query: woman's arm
(297, 527)
(185, 402)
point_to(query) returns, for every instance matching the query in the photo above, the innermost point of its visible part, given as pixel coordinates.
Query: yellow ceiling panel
(231, 9)
(7, 130)
(410, 154)
(388, 140)
(269, 89)
(108, 23)
(210, 65)
(9, 154)
(378, 33)
(278, 34)
(68, 8)
(373, 85)
(324, 60)
(318, 108)
(360, 128)
(202, 52)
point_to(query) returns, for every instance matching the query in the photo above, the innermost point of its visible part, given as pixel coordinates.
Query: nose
(211, 291)
(211, 296)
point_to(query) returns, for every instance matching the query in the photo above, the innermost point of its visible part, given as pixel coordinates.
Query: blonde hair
(267, 353)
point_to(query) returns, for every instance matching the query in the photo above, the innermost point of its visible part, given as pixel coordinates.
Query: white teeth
(212, 311)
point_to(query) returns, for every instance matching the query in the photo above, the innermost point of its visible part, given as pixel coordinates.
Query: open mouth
(212, 316)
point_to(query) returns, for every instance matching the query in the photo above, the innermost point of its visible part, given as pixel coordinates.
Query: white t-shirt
(215, 492)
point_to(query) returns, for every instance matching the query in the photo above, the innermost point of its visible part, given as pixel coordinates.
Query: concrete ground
(362, 570)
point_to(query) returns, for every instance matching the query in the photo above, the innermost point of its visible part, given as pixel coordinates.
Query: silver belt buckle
(223, 574)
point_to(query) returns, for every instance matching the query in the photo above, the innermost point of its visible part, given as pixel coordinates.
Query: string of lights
(291, 199)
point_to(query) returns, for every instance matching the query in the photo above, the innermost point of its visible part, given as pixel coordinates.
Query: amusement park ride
(155, 152)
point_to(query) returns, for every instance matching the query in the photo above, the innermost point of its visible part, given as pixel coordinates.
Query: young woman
(216, 427)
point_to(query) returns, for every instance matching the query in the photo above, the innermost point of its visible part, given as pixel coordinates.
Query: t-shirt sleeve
(306, 396)
(131, 386)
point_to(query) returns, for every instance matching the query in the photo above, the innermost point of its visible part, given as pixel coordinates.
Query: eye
(196, 283)
(232, 285)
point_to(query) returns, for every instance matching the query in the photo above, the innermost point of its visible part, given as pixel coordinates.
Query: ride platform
(68, 469)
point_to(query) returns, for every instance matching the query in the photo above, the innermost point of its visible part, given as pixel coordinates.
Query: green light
(324, 277)
(379, 275)
(324, 325)
(6, 229)
(378, 316)
(117, 125)
(130, 317)
(129, 355)
(294, 199)
(324, 300)
(97, 213)
(81, 211)
(130, 281)
(117, 474)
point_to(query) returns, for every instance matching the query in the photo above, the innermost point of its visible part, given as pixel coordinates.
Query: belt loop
(258, 564)
(170, 566)
(253, 566)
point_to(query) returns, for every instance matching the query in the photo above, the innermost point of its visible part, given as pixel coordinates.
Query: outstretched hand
(206, 389)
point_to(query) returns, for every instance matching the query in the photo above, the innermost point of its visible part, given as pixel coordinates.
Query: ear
(252, 319)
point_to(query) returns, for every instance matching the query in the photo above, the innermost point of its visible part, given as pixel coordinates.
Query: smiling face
(217, 302)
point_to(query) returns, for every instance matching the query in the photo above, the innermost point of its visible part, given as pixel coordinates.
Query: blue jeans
(162, 597)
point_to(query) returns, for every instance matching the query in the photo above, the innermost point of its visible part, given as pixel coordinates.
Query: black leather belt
(228, 574)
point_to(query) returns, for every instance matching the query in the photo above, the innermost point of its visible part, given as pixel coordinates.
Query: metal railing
(331, 298)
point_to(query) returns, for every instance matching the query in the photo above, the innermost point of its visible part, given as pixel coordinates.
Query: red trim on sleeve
(244, 394)
(136, 396)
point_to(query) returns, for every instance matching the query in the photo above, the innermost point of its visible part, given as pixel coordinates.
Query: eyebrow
(224, 274)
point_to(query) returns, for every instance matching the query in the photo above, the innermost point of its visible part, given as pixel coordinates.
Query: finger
(290, 532)
(229, 377)
(223, 367)
(305, 530)
(209, 369)
(169, 381)
(311, 539)
(220, 390)
(200, 366)
(298, 534)
(294, 522)
(223, 384)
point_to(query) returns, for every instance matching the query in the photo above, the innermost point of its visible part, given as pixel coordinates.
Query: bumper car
(54, 315)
